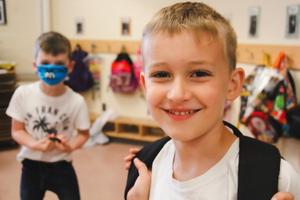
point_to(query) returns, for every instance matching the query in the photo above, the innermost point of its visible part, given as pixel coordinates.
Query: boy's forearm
(20, 135)
(79, 140)
(23, 138)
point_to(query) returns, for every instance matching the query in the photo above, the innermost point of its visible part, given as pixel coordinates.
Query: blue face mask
(52, 74)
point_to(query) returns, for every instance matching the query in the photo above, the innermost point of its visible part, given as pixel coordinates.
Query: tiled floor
(100, 170)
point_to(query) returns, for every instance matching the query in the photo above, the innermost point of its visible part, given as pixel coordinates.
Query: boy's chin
(184, 137)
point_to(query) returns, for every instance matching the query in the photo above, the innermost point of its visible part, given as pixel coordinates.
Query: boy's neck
(56, 90)
(194, 158)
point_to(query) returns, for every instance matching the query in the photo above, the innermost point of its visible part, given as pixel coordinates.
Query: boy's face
(186, 83)
(52, 69)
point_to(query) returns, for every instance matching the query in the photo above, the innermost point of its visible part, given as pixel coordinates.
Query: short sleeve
(289, 179)
(15, 109)
(82, 120)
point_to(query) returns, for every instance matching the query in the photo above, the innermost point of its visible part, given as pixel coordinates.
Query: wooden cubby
(7, 88)
(133, 129)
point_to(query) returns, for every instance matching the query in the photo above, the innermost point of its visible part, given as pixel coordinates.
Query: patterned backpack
(269, 94)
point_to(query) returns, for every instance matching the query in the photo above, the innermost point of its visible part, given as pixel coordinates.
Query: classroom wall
(18, 35)
(26, 20)
(102, 18)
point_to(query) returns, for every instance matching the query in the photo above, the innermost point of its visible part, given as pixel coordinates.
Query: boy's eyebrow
(199, 62)
(60, 63)
(195, 62)
(158, 64)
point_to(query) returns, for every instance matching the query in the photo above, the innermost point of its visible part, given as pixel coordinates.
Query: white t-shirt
(42, 114)
(220, 182)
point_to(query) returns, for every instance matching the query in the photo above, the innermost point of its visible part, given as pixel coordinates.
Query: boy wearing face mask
(45, 115)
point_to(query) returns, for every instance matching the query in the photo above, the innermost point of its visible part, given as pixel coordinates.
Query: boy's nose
(178, 91)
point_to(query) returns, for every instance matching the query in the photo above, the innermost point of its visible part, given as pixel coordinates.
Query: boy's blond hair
(53, 43)
(198, 18)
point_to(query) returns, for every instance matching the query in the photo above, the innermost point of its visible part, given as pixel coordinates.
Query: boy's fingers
(50, 146)
(44, 140)
(44, 144)
(127, 166)
(62, 138)
(283, 196)
(141, 167)
(134, 150)
(129, 157)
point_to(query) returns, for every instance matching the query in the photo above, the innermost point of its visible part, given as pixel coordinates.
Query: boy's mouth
(180, 114)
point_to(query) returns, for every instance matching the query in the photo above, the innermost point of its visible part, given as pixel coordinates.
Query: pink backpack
(123, 78)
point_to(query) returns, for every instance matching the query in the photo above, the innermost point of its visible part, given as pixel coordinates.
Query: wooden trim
(107, 46)
(257, 54)
(246, 53)
(136, 137)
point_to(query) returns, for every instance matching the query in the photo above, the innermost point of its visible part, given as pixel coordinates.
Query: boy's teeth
(181, 112)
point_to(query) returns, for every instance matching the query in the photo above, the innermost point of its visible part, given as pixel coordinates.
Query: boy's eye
(45, 63)
(62, 70)
(199, 73)
(60, 63)
(160, 74)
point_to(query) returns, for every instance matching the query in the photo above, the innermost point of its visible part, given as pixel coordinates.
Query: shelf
(7, 88)
(131, 136)
(133, 129)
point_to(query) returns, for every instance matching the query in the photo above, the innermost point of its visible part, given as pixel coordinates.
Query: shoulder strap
(258, 171)
(147, 155)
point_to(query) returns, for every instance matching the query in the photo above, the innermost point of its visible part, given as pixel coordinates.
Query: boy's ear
(142, 81)
(71, 66)
(34, 66)
(236, 84)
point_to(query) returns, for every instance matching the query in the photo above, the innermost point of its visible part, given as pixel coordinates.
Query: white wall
(272, 19)
(18, 35)
(102, 18)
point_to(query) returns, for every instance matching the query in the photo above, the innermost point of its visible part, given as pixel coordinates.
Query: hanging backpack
(270, 95)
(293, 119)
(80, 79)
(138, 65)
(123, 79)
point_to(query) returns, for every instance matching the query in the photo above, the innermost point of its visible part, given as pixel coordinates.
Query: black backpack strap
(258, 170)
(146, 155)
(259, 166)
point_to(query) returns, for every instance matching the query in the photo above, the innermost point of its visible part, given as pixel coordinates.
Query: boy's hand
(130, 156)
(62, 143)
(141, 188)
(283, 196)
(43, 145)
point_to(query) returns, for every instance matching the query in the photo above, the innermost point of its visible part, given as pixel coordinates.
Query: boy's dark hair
(197, 18)
(53, 43)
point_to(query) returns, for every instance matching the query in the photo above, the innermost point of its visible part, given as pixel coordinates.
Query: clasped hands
(52, 141)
